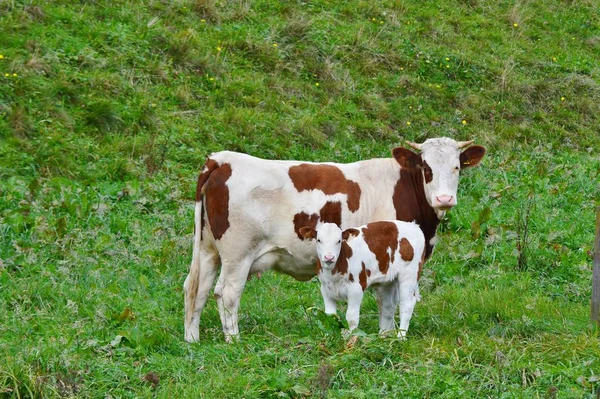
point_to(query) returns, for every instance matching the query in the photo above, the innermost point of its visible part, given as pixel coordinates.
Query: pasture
(108, 110)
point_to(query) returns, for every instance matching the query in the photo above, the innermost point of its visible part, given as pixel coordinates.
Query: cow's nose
(328, 258)
(445, 201)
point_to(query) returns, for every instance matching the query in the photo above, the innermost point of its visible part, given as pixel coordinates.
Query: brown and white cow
(385, 254)
(249, 212)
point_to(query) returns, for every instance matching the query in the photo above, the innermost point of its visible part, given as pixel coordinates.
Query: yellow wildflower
(562, 99)
(14, 75)
(1, 57)
(6, 75)
(464, 122)
(407, 123)
(317, 84)
(202, 20)
(219, 49)
(553, 58)
(275, 44)
(447, 66)
(447, 59)
(516, 25)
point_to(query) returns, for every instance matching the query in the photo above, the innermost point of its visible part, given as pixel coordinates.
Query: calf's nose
(328, 258)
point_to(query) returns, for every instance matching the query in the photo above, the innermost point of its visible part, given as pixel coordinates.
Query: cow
(249, 211)
(386, 254)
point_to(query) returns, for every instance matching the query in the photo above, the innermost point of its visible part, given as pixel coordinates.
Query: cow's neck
(411, 205)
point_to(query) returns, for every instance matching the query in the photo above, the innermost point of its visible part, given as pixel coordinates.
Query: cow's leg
(206, 278)
(330, 303)
(409, 294)
(387, 298)
(355, 295)
(228, 292)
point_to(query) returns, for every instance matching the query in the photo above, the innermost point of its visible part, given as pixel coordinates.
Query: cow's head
(329, 242)
(440, 163)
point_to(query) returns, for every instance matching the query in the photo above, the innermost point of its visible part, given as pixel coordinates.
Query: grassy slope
(114, 107)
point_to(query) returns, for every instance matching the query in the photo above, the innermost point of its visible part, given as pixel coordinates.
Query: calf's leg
(355, 295)
(387, 298)
(409, 294)
(330, 303)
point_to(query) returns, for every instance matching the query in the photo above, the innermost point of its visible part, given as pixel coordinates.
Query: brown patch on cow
(351, 277)
(327, 178)
(382, 239)
(411, 205)
(421, 263)
(209, 166)
(332, 213)
(217, 200)
(341, 266)
(303, 219)
(406, 250)
(427, 172)
(362, 277)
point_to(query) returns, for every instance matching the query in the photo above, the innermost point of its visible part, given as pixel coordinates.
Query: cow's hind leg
(228, 292)
(409, 295)
(387, 298)
(206, 278)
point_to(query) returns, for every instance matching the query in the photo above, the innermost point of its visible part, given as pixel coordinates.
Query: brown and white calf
(249, 212)
(386, 254)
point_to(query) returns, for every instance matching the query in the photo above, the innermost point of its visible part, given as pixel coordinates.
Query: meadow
(109, 108)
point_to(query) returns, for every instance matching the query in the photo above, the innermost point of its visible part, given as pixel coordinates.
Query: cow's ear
(350, 232)
(308, 233)
(472, 156)
(406, 158)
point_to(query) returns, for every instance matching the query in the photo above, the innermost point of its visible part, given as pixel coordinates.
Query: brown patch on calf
(217, 200)
(362, 277)
(327, 178)
(411, 205)
(350, 232)
(382, 239)
(407, 252)
(303, 219)
(331, 213)
(341, 266)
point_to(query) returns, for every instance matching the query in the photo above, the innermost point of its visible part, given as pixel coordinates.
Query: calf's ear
(472, 156)
(308, 233)
(350, 232)
(406, 158)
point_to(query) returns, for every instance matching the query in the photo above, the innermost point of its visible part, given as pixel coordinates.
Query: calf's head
(440, 162)
(329, 239)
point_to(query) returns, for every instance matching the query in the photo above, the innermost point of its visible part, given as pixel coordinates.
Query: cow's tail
(192, 281)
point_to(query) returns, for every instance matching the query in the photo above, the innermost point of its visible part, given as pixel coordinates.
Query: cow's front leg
(355, 295)
(387, 298)
(330, 303)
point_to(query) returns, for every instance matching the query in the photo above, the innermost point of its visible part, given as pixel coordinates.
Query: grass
(107, 111)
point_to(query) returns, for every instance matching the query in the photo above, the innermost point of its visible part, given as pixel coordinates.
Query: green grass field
(109, 108)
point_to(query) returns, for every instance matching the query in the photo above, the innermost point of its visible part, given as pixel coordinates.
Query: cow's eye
(318, 240)
(339, 241)
(457, 168)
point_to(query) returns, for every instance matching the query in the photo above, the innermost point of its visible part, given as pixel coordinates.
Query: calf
(386, 254)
